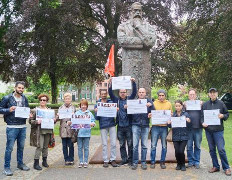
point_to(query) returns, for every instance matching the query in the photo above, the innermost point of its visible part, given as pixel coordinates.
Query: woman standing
(40, 137)
(180, 135)
(66, 132)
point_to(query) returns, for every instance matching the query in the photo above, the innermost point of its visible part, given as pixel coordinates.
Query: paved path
(58, 170)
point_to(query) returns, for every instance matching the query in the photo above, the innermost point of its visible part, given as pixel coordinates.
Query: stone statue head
(136, 10)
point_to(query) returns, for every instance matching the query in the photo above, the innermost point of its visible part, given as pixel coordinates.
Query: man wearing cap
(214, 133)
(160, 130)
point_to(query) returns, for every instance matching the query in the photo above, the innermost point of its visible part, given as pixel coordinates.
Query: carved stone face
(136, 10)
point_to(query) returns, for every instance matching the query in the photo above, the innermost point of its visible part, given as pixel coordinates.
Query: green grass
(227, 137)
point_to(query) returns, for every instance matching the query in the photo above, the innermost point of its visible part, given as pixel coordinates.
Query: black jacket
(9, 117)
(181, 133)
(217, 104)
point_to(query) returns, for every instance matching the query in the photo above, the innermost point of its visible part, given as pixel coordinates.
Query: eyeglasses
(43, 100)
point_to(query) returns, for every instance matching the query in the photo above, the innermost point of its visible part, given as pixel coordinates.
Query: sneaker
(178, 167)
(134, 166)
(190, 165)
(129, 164)
(123, 163)
(105, 165)
(85, 165)
(80, 165)
(162, 165)
(67, 163)
(71, 163)
(113, 163)
(152, 166)
(228, 172)
(183, 168)
(23, 167)
(144, 166)
(197, 166)
(8, 172)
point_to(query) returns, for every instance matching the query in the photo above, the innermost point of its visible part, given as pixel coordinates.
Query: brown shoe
(213, 170)
(228, 172)
(113, 163)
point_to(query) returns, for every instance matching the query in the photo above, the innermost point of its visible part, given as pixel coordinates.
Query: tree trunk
(54, 90)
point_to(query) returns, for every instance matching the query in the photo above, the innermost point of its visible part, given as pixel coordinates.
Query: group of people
(130, 129)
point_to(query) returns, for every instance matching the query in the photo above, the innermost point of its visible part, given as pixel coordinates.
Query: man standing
(195, 134)
(214, 133)
(124, 131)
(140, 128)
(107, 125)
(160, 130)
(16, 127)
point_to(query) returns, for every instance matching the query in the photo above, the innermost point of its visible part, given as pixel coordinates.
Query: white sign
(22, 112)
(193, 105)
(106, 109)
(211, 117)
(138, 106)
(121, 82)
(80, 121)
(178, 121)
(65, 113)
(160, 116)
(47, 116)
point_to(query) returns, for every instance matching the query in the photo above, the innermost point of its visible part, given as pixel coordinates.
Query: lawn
(227, 136)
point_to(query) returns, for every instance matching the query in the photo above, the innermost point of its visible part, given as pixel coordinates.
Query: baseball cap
(213, 89)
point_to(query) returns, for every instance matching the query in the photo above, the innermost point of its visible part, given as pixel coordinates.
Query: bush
(32, 99)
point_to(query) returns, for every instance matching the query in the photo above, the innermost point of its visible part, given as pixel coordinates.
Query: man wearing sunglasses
(16, 127)
(160, 130)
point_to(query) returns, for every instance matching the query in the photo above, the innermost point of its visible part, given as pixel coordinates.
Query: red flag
(109, 67)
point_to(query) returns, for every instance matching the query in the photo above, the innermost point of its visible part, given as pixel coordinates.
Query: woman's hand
(188, 120)
(69, 123)
(39, 121)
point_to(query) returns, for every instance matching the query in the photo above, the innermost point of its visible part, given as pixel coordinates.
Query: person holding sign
(123, 120)
(140, 129)
(160, 130)
(180, 135)
(215, 133)
(193, 108)
(107, 125)
(84, 133)
(16, 126)
(40, 137)
(66, 132)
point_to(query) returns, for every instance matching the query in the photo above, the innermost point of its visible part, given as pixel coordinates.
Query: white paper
(160, 116)
(47, 124)
(106, 109)
(121, 82)
(193, 105)
(78, 120)
(47, 116)
(178, 121)
(138, 106)
(22, 112)
(211, 117)
(65, 113)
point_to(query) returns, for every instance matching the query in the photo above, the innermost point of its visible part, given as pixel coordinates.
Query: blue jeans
(83, 145)
(68, 149)
(13, 134)
(195, 136)
(125, 136)
(216, 139)
(156, 132)
(137, 133)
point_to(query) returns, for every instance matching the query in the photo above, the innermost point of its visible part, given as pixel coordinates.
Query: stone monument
(137, 37)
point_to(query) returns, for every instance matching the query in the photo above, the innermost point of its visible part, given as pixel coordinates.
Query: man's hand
(31, 115)
(125, 106)
(39, 121)
(149, 104)
(149, 115)
(187, 119)
(169, 122)
(95, 109)
(221, 116)
(12, 108)
(132, 79)
(204, 125)
(92, 124)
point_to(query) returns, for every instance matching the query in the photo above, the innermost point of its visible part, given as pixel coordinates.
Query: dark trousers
(179, 151)
(68, 149)
(125, 136)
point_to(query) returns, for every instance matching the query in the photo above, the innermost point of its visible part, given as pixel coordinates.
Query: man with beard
(16, 127)
(137, 37)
